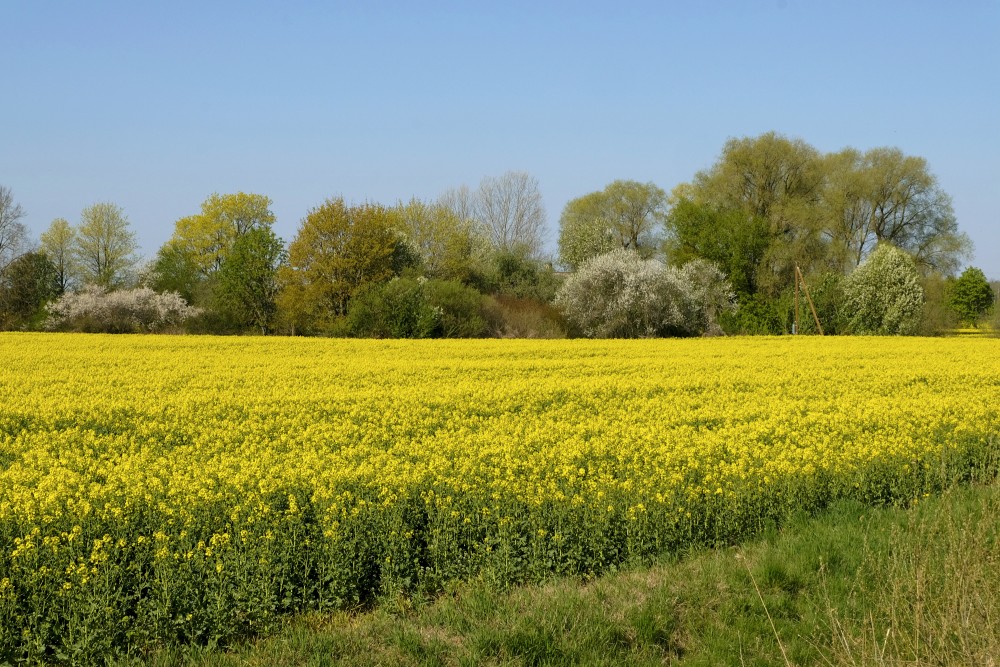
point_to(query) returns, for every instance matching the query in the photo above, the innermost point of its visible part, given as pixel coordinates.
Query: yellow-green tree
(105, 246)
(337, 249)
(208, 237)
(448, 245)
(57, 244)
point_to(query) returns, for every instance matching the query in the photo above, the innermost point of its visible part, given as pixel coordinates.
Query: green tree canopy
(771, 203)
(449, 246)
(971, 296)
(885, 195)
(26, 285)
(247, 281)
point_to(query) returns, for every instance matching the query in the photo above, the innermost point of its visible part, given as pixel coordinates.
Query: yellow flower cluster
(192, 489)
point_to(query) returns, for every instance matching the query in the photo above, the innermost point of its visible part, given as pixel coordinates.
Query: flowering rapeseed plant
(184, 489)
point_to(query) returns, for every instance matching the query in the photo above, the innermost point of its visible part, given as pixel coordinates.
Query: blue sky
(155, 105)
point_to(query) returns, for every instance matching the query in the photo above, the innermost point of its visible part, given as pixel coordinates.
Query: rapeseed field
(162, 490)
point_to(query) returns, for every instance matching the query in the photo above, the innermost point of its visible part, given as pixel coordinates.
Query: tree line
(872, 234)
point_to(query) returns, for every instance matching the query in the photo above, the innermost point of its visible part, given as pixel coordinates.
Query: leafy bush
(394, 309)
(883, 296)
(416, 308)
(754, 316)
(510, 274)
(621, 295)
(141, 310)
(460, 309)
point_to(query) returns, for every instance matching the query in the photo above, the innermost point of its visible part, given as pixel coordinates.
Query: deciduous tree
(208, 237)
(57, 242)
(449, 246)
(885, 195)
(884, 296)
(105, 246)
(338, 249)
(12, 231)
(248, 282)
(26, 285)
(971, 296)
(626, 214)
(510, 209)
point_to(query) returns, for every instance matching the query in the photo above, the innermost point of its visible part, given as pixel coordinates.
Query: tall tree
(208, 236)
(461, 201)
(337, 249)
(734, 240)
(449, 245)
(971, 296)
(57, 244)
(775, 182)
(12, 232)
(26, 285)
(884, 195)
(511, 211)
(626, 214)
(105, 246)
(248, 282)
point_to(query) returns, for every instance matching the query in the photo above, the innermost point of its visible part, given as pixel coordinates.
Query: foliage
(621, 295)
(159, 491)
(513, 317)
(460, 309)
(883, 296)
(883, 195)
(971, 296)
(511, 274)
(449, 247)
(732, 239)
(26, 285)
(755, 315)
(58, 242)
(416, 308)
(338, 249)
(394, 309)
(770, 203)
(139, 310)
(937, 316)
(174, 270)
(105, 247)
(207, 238)
(626, 214)
(247, 280)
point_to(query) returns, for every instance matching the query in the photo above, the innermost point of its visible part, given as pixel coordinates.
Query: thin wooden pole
(812, 307)
(795, 326)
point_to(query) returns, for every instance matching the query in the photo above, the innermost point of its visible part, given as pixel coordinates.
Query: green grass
(853, 586)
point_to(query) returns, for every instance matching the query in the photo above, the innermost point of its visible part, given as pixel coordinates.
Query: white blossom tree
(883, 295)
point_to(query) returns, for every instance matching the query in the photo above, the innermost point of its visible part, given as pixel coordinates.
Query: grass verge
(853, 586)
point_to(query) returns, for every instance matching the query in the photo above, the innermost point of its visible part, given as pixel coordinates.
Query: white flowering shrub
(620, 295)
(140, 310)
(883, 296)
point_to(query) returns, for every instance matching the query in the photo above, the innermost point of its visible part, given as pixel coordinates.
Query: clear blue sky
(155, 105)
